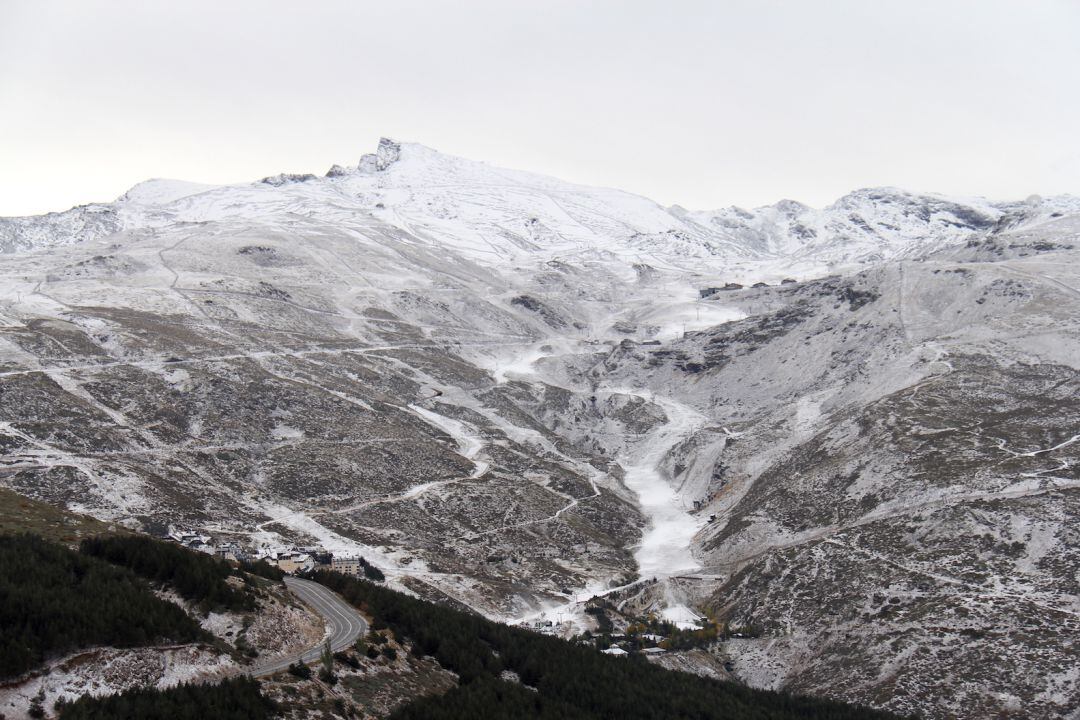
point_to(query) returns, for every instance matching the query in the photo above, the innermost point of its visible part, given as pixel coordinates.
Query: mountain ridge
(866, 225)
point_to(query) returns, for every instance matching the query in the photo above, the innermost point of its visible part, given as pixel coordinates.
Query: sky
(703, 104)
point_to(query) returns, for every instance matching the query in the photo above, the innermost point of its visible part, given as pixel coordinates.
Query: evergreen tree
(558, 679)
(54, 600)
(196, 576)
(327, 660)
(234, 699)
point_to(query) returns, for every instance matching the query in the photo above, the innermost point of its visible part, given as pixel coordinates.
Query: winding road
(343, 621)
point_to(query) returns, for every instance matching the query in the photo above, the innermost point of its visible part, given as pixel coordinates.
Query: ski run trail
(665, 547)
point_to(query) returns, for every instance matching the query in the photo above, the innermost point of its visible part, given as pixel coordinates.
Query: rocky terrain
(513, 393)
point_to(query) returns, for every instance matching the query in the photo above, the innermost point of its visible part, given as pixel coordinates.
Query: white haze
(704, 104)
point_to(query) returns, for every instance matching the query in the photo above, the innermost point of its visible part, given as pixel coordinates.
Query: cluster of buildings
(291, 560)
(728, 287)
(647, 644)
(303, 559)
(619, 652)
(547, 627)
(204, 543)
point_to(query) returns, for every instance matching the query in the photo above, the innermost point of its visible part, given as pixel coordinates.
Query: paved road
(343, 621)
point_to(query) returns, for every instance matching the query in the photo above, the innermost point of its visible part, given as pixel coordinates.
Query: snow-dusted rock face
(873, 225)
(512, 393)
(80, 224)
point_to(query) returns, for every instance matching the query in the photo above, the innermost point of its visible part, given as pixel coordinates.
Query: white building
(347, 566)
(229, 551)
(294, 562)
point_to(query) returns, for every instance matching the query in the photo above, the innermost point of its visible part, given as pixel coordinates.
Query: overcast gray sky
(705, 104)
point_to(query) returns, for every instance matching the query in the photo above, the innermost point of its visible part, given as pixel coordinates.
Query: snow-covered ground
(665, 546)
(665, 549)
(105, 671)
(302, 521)
(677, 309)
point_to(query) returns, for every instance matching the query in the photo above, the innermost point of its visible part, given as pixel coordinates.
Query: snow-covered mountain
(494, 216)
(876, 224)
(515, 393)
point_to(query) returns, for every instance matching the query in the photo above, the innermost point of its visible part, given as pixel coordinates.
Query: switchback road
(343, 622)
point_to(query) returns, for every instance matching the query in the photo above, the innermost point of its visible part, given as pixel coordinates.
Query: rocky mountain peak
(388, 153)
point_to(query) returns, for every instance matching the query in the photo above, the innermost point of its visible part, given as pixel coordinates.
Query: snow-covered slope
(497, 216)
(874, 224)
(515, 393)
(489, 214)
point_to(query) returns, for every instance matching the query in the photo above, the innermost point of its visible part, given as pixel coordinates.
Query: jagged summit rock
(388, 153)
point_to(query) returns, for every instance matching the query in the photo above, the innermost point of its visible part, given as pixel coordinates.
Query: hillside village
(290, 560)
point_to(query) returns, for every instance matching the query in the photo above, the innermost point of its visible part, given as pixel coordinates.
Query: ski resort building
(347, 565)
(294, 562)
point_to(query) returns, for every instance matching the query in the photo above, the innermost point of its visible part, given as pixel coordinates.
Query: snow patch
(468, 440)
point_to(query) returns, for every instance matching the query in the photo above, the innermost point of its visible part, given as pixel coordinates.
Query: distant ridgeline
(558, 679)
